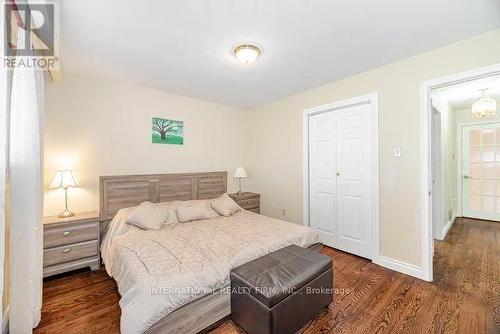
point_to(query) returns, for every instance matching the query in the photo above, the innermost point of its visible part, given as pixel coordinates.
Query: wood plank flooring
(464, 297)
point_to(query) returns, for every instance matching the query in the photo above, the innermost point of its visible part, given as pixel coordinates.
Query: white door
(481, 171)
(340, 179)
(323, 180)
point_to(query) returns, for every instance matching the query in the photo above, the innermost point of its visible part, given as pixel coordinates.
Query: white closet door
(354, 180)
(340, 178)
(322, 185)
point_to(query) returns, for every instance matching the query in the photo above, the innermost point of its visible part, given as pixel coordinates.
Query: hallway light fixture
(484, 107)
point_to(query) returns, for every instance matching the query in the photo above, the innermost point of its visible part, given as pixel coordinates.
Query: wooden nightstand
(71, 243)
(248, 201)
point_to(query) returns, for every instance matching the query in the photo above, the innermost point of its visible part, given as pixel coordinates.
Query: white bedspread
(159, 271)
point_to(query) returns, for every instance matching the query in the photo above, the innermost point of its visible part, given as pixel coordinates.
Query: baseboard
(5, 321)
(446, 228)
(400, 266)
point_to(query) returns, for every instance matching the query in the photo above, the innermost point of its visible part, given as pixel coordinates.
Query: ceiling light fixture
(485, 106)
(246, 53)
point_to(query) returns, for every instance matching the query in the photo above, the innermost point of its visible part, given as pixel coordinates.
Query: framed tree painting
(167, 131)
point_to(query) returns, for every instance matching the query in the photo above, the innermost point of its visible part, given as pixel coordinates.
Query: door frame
(372, 100)
(426, 224)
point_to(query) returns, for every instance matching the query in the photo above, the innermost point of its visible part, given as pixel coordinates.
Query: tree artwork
(167, 131)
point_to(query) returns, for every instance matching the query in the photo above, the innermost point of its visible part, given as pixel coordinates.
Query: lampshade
(484, 107)
(240, 172)
(64, 179)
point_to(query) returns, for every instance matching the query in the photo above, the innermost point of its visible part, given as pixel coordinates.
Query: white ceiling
(462, 96)
(184, 46)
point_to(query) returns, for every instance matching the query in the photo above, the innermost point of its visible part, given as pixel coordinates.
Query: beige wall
(100, 127)
(276, 138)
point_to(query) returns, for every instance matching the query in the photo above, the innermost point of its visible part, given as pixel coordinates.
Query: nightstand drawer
(70, 233)
(72, 252)
(250, 203)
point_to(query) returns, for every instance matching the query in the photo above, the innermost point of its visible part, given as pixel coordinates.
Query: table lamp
(64, 179)
(240, 174)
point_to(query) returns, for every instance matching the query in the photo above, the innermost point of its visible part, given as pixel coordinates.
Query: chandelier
(484, 107)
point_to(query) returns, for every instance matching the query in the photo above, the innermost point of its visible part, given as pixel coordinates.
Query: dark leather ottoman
(281, 291)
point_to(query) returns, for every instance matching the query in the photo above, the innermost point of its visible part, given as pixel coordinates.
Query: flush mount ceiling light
(484, 107)
(246, 53)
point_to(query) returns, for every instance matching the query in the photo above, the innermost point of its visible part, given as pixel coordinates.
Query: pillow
(225, 206)
(172, 206)
(189, 213)
(148, 216)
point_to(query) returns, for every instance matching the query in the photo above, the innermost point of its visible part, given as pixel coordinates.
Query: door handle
(338, 173)
(466, 177)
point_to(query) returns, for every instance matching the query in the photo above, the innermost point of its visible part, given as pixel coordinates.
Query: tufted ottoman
(281, 291)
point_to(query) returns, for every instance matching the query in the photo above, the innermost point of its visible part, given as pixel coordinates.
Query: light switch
(398, 154)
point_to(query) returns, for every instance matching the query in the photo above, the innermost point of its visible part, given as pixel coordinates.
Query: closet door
(354, 180)
(322, 178)
(340, 178)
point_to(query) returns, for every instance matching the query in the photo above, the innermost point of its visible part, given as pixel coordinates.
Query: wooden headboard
(122, 191)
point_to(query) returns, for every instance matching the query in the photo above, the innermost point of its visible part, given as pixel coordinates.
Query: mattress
(159, 271)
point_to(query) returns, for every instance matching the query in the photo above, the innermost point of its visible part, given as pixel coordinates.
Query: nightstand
(247, 200)
(71, 243)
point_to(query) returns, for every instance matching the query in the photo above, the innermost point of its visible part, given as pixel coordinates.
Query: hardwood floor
(464, 297)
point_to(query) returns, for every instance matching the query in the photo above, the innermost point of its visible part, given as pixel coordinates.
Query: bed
(177, 279)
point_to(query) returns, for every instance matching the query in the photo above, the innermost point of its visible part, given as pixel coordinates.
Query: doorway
(341, 174)
(463, 152)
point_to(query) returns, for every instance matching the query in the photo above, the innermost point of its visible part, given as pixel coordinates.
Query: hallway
(467, 269)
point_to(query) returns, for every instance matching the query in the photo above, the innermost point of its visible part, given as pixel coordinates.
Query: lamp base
(66, 214)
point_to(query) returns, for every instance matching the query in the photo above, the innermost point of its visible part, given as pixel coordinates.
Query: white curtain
(26, 198)
(5, 85)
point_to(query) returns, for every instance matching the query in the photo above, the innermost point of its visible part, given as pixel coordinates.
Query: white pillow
(148, 216)
(225, 206)
(172, 206)
(189, 213)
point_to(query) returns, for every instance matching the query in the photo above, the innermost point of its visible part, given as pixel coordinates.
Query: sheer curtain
(5, 85)
(26, 198)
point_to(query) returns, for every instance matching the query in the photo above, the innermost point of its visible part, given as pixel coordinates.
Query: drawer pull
(249, 202)
(67, 250)
(65, 233)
